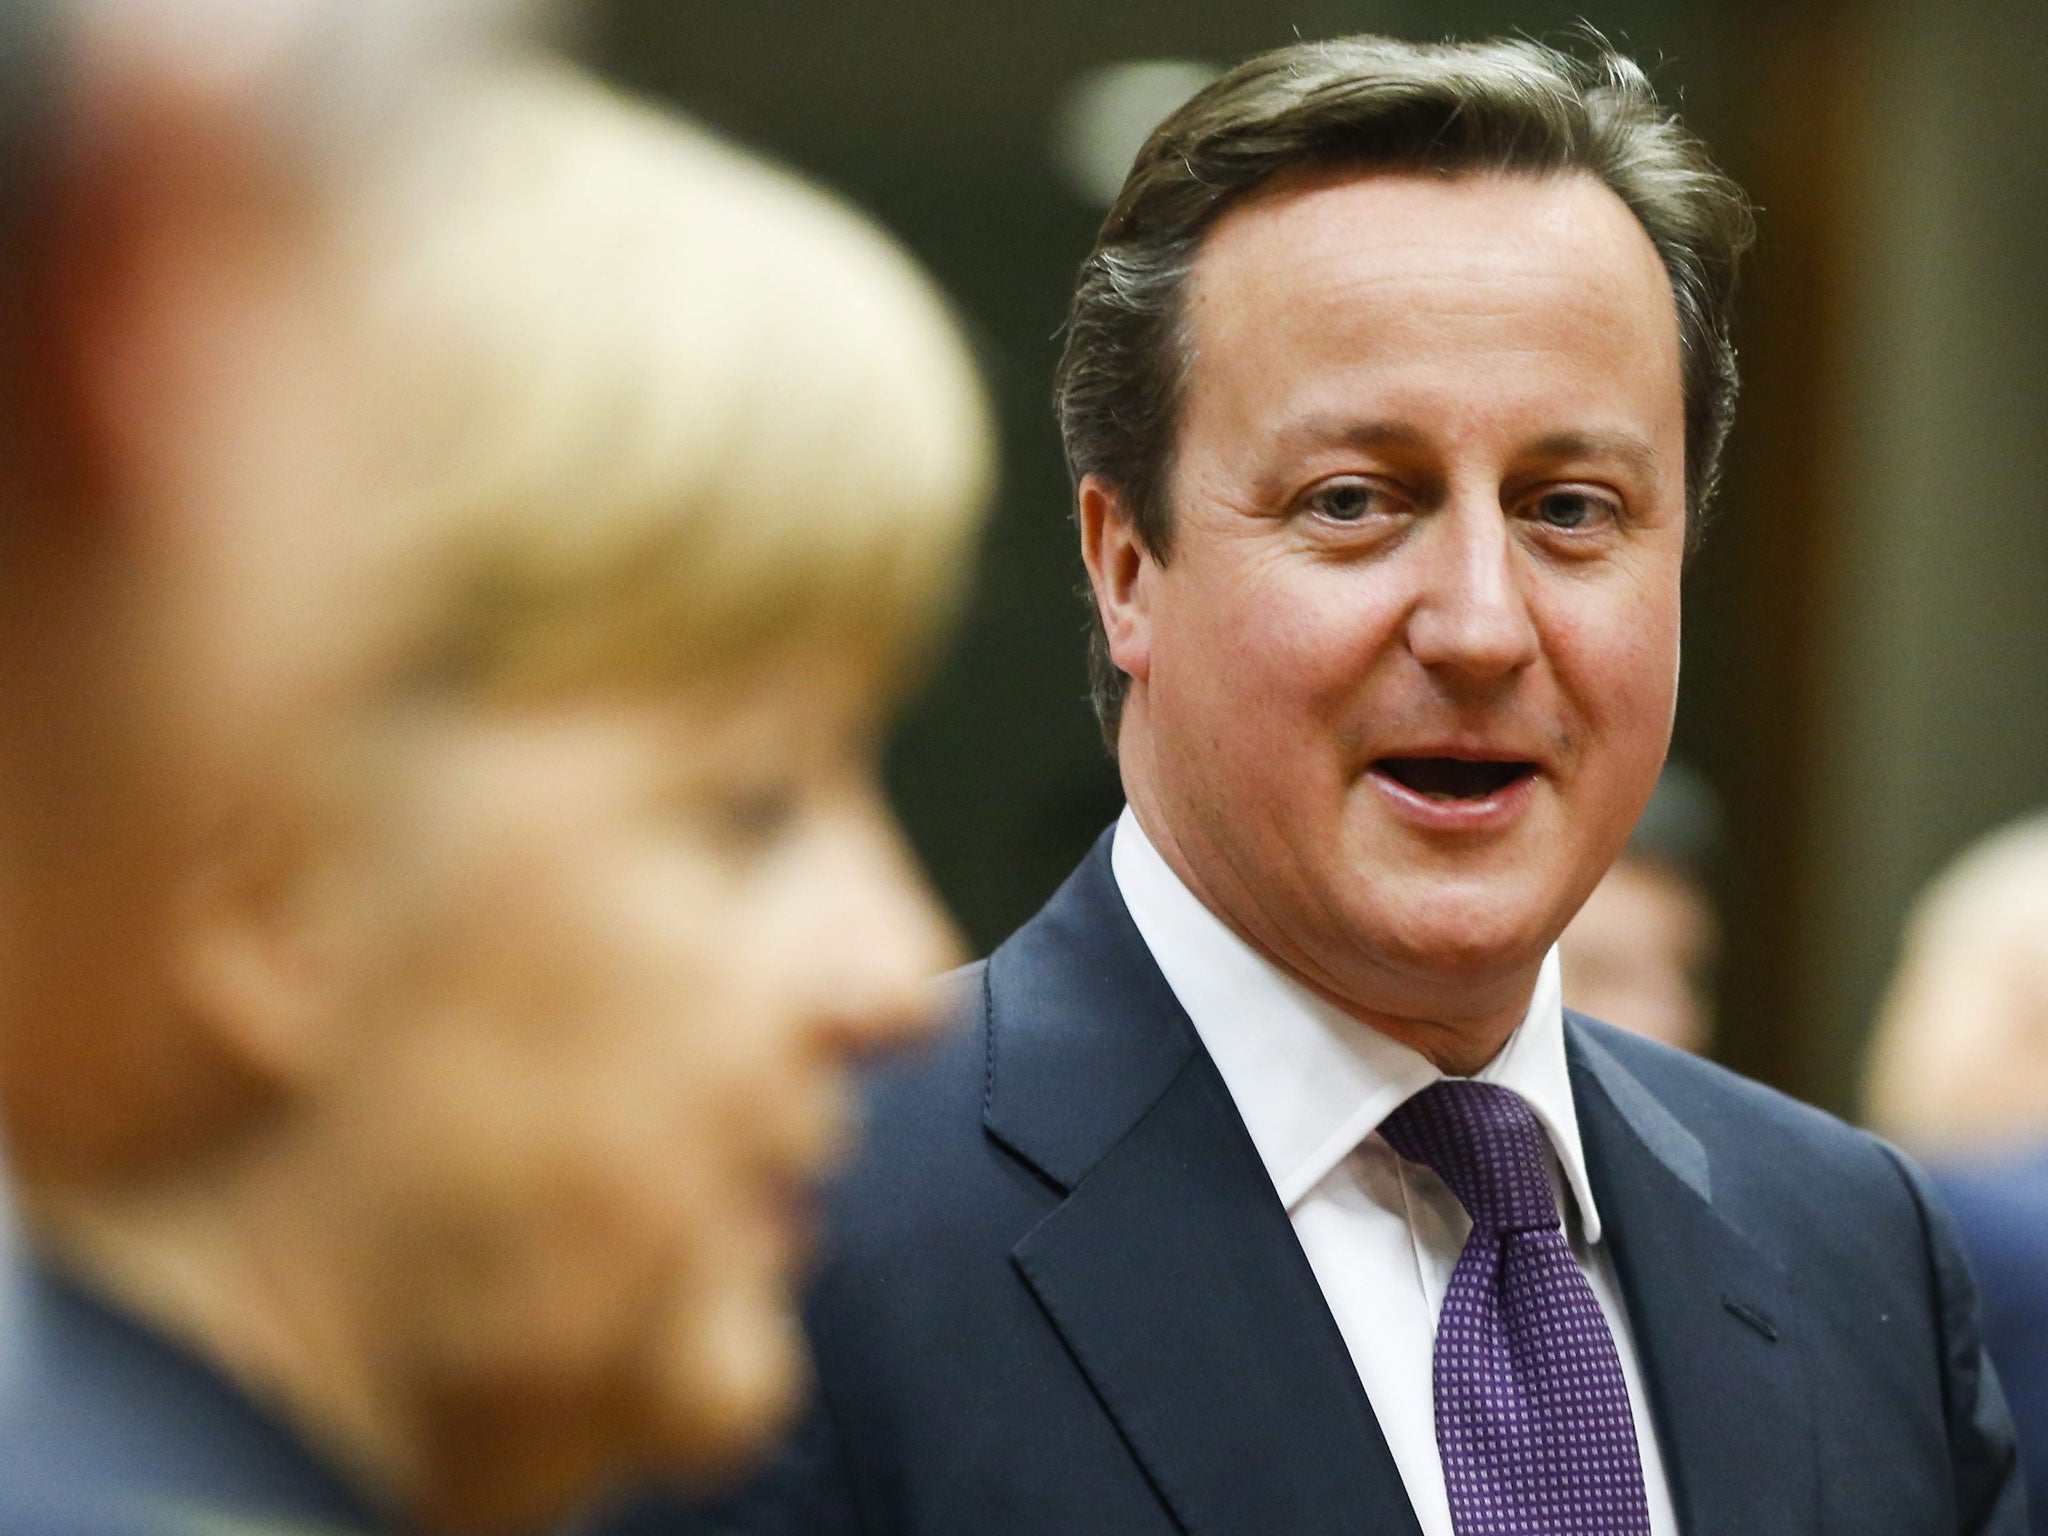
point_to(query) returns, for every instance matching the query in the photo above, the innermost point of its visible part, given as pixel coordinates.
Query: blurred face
(638, 946)
(179, 567)
(1640, 954)
(1403, 685)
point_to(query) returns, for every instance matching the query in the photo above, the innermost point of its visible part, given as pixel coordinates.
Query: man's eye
(1573, 510)
(1348, 501)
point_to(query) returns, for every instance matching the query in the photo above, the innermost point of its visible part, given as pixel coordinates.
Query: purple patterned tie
(1532, 1413)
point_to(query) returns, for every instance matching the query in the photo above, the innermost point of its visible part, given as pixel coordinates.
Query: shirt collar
(1310, 1081)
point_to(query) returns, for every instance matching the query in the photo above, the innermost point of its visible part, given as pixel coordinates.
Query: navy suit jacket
(109, 1429)
(1061, 1297)
(2001, 1210)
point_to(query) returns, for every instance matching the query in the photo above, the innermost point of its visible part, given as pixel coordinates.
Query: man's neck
(1458, 1040)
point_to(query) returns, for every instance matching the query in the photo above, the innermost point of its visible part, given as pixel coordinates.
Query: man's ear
(1120, 570)
(269, 931)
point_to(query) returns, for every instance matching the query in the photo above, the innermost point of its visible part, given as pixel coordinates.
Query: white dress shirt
(1381, 1234)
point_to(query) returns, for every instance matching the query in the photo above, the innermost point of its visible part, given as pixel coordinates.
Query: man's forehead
(1398, 218)
(1364, 266)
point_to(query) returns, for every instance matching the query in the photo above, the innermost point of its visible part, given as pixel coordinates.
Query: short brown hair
(1505, 105)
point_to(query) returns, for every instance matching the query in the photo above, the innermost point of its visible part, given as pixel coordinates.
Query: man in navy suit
(1266, 1187)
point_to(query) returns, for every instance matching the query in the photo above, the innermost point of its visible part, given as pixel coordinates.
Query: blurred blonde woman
(1959, 1065)
(1959, 1073)
(507, 1003)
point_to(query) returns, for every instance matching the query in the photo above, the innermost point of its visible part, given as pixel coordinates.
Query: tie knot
(1487, 1145)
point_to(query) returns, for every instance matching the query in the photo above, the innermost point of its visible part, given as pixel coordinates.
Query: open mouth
(1453, 778)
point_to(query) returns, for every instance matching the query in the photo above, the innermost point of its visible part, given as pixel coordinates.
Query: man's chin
(1444, 962)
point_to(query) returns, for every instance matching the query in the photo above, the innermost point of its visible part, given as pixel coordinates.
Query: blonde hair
(1960, 1061)
(680, 411)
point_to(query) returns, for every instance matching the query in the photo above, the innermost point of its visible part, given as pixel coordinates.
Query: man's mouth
(1453, 778)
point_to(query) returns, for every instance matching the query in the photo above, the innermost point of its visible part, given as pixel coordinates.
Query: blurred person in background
(1959, 1074)
(181, 469)
(1641, 951)
(461, 590)
(1958, 1067)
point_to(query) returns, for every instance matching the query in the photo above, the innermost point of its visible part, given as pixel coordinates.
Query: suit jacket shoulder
(1827, 1239)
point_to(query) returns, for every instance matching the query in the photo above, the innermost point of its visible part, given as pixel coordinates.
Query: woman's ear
(270, 943)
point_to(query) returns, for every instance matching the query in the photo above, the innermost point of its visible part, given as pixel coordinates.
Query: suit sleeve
(1990, 1499)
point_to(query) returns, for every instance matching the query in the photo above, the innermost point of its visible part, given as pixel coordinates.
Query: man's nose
(891, 937)
(1471, 619)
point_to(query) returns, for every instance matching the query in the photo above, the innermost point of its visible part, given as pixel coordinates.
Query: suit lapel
(1714, 1318)
(1174, 1277)
(1170, 1270)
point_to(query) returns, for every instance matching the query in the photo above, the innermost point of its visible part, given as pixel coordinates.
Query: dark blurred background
(1866, 674)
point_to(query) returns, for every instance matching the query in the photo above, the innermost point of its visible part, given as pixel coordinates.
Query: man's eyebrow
(1339, 431)
(1624, 447)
